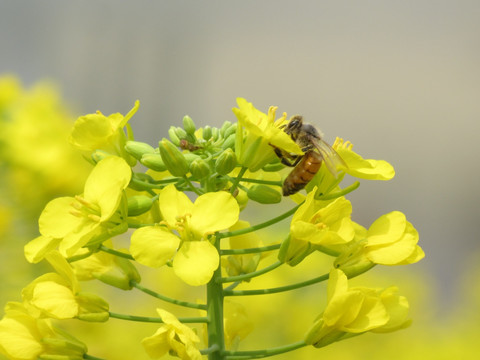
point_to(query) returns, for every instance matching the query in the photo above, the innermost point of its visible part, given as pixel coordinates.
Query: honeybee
(307, 165)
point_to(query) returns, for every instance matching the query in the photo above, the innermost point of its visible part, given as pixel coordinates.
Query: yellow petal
(91, 131)
(57, 300)
(153, 245)
(173, 203)
(36, 249)
(387, 228)
(19, 337)
(195, 262)
(55, 220)
(213, 212)
(105, 184)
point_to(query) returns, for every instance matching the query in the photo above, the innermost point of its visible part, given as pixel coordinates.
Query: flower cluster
(186, 212)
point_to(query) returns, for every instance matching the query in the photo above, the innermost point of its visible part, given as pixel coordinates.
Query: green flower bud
(137, 149)
(230, 130)
(181, 133)
(92, 308)
(199, 168)
(264, 194)
(138, 205)
(190, 157)
(207, 132)
(172, 134)
(98, 155)
(153, 161)
(224, 127)
(215, 134)
(229, 142)
(226, 162)
(173, 159)
(189, 125)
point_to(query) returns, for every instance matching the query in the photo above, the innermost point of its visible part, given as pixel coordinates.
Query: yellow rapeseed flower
(24, 337)
(72, 222)
(362, 168)
(172, 337)
(356, 310)
(195, 258)
(254, 147)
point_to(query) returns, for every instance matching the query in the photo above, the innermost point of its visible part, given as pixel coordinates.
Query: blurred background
(400, 80)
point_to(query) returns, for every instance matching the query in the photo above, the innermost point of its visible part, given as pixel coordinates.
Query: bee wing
(330, 156)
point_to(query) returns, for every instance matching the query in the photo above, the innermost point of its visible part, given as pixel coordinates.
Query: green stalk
(258, 181)
(215, 313)
(343, 192)
(250, 250)
(116, 252)
(277, 289)
(237, 179)
(251, 274)
(151, 319)
(259, 354)
(258, 226)
(167, 299)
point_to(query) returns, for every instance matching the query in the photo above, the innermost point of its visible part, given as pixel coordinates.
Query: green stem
(258, 181)
(277, 289)
(251, 274)
(116, 252)
(235, 182)
(258, 226)
(210, 350)
(215, 313)
(167, 299)
(191, 186)
(138, 226)
(250, 250)
(191, 320)
(79, 257)
(259, 354)
(343, 192)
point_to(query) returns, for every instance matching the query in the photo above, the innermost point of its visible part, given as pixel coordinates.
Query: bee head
(295, 124)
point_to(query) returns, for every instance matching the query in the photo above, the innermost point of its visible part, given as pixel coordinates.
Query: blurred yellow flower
(39, 162)
(23, 337)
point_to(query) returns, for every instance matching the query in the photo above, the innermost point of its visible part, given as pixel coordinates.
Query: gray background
(400, 79)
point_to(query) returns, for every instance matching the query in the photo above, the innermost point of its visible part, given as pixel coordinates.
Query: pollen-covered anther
(320, 225)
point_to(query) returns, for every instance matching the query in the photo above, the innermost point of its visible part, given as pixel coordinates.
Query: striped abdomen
(302, 173)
